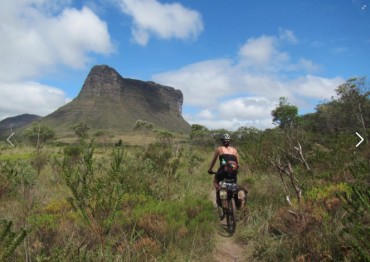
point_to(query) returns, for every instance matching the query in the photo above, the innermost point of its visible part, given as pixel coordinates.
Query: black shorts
(222, 174)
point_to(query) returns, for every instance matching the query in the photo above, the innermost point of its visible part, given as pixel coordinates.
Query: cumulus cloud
(202, 83)
(74, 33)
(243, 91)
(36, 37)
(262, 55)
(259, 50)
(252, 108)
(206, 114)
(152, 18)
(315, 87)
(29, 97)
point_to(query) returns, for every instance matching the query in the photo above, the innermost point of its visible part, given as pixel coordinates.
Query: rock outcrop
(109, 101)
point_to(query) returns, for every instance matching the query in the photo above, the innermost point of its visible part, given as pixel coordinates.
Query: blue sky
(231, 59)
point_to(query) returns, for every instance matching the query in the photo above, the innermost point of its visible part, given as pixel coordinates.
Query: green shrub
(185, 224)
(14, 175)
(9, 240)
(327, 192)
(357, 221)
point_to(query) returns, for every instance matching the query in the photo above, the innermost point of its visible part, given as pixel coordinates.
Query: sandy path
(226, 246)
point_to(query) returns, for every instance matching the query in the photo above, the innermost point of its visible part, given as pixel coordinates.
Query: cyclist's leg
(218, 177)
(241, 198)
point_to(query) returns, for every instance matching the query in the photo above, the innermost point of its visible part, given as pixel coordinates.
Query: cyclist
(229, 164)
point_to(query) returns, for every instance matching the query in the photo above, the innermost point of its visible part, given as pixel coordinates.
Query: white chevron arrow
(9, 138)
(362, 139)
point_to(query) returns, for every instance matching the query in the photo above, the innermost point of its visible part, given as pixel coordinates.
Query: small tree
(199, 133)
(103, 136)
(349, 111)
(164, 136)
(39, 134)
(354, 97)
(284, 115)
(143, 127)
(288, 149)
(81, 131)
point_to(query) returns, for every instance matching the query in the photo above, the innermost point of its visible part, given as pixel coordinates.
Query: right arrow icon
(362, 139)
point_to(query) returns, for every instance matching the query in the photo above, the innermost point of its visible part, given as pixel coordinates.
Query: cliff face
(104, 82)
(109, 101)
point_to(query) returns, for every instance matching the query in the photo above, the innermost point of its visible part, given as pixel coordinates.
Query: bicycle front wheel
(231, 216)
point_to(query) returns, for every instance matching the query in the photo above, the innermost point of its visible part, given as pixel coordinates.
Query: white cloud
(259, 50)
(308, 65)
(316, 87)
(206, 114)
(202, 83)
(33, 40)
(262, 55)
(232, 124)
(243, 91)
(74, 33)
(36, 37)
(165, 21)
(246, 108)
(29, 97)
(233, 113)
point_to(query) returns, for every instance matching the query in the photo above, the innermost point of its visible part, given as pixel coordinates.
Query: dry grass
(128, 138)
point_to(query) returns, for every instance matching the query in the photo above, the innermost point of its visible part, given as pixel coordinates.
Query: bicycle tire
(231, 216)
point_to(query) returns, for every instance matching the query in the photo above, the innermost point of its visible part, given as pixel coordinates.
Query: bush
(9, 240)
(186, 224)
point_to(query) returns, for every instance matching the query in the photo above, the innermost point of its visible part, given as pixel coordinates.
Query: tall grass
(123, 204)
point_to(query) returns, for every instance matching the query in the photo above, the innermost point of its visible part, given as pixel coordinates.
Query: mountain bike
(228, 193)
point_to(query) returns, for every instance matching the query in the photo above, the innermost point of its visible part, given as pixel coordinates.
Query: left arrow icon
(8, 139)
(362, 139)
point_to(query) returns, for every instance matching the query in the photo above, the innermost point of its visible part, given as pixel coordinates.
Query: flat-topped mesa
(109, 101)
(104, 81)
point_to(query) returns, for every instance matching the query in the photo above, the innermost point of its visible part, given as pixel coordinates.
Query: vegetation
(126, 203)
(284, 115)
(309, 184)
(308, 191)
(38, 134)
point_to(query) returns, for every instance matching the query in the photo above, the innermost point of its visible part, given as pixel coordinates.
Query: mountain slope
(10, 124)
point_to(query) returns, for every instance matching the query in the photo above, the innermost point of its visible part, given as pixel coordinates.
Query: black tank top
(227, 157)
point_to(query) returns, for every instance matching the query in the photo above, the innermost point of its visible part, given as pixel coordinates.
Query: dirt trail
(226, 246)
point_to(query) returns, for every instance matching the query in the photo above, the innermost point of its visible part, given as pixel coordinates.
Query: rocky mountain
(109, 101)
(10, 124)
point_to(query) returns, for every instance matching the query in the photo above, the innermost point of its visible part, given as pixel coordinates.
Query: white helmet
(225, 137)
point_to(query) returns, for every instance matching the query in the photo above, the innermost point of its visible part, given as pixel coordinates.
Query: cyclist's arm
(237, 156)
(213, 162)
